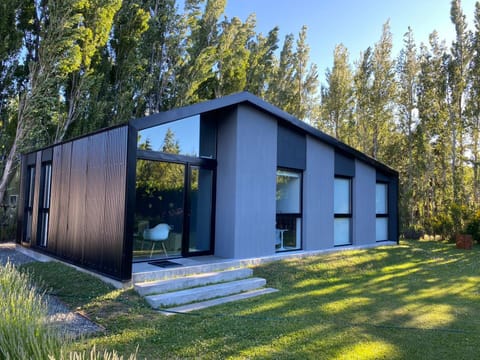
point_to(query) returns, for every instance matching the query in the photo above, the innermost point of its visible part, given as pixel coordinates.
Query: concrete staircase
(184, 290)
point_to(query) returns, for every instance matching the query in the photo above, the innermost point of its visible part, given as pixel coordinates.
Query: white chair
(158, 233)
(279, 238)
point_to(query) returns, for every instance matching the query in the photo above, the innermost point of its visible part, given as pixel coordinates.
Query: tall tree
(362, 96)
(383, 92)
(261, 62)
(433, 170)
(232, 55)
(65, 37)
(128, 71)
(473, 109)
(408, 69)
(337, 96)
(457, 64)
(295, 81)
(197, 69)
(163, 47)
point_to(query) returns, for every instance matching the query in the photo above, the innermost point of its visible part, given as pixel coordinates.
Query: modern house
(233, 177)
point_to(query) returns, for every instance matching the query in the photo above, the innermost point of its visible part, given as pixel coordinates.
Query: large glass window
(200, 204)
(342, 206)
(381, 205)
(44, 209)
(191, 136)
(159, 213)
(289, 215)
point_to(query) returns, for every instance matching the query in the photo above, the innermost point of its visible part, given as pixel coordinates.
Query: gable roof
(248, 98)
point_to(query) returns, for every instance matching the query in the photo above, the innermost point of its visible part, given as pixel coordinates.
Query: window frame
(44, 204)
(383, 215)
(348, 215)
(298, 216)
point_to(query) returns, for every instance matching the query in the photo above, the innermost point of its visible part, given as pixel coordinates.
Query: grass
(419, 300)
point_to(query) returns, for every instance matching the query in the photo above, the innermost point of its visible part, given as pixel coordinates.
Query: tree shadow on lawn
(420, 300)
(417, 300)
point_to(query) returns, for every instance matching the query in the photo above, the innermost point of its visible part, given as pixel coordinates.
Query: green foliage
(23, 331)
(337, 97)
(472, 226)
(72, 67)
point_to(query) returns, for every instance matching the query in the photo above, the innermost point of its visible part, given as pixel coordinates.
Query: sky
(355, 23)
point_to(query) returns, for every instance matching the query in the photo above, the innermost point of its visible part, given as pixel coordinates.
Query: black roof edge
(246, 97)
(78, 137)
(232, 100)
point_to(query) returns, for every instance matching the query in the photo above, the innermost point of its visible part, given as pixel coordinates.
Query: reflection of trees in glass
(170, 143)
(194, 179)
(154, 176)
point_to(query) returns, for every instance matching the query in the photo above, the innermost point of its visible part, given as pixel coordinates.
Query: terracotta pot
(464, 241)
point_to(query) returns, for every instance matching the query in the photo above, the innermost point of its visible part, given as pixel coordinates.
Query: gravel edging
(70, 323)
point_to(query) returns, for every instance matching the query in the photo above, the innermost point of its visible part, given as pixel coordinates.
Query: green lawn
(419, 300)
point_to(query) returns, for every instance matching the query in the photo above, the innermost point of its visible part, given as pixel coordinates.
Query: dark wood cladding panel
(36, 187)
(95, 201)
(21, 199)
(87, 208)
(55, 200)
(76, 206)
(115, 188)
(63, 240)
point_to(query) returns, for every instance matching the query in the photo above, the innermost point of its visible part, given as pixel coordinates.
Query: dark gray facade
(252, 181)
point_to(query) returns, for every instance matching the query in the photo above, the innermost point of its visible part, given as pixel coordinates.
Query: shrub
(93, 355)
(473, 226)
(24, 333)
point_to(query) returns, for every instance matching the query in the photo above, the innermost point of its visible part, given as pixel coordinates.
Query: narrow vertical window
(342, 211)
(44, 204)
(289, 214)
(381, 209)
(28, 212)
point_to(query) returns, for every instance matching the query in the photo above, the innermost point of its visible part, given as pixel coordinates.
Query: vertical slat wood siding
(87, 211)
(76, 208)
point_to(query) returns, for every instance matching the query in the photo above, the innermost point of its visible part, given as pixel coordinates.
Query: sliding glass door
(200, 210)
(173, 214)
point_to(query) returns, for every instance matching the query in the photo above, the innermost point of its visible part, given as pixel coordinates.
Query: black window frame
(44, 204)
(348, 215)
(383, 215)
(298, 215)
(28, 203)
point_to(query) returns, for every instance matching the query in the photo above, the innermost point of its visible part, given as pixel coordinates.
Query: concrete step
(204, 293)
(209, 303)
(165, 274)
(162, 286)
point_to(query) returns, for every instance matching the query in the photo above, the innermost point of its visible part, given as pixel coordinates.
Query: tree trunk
(9, 170)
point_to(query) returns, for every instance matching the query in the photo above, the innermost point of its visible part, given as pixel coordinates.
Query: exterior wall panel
(226, 185)
(363, 198)
(318, 196)
(63, 242)
(255, 190)
(115, 182)
(291, 148)
(87, 224)
(77, 203)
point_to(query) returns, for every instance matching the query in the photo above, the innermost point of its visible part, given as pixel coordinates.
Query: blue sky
(355, 23)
